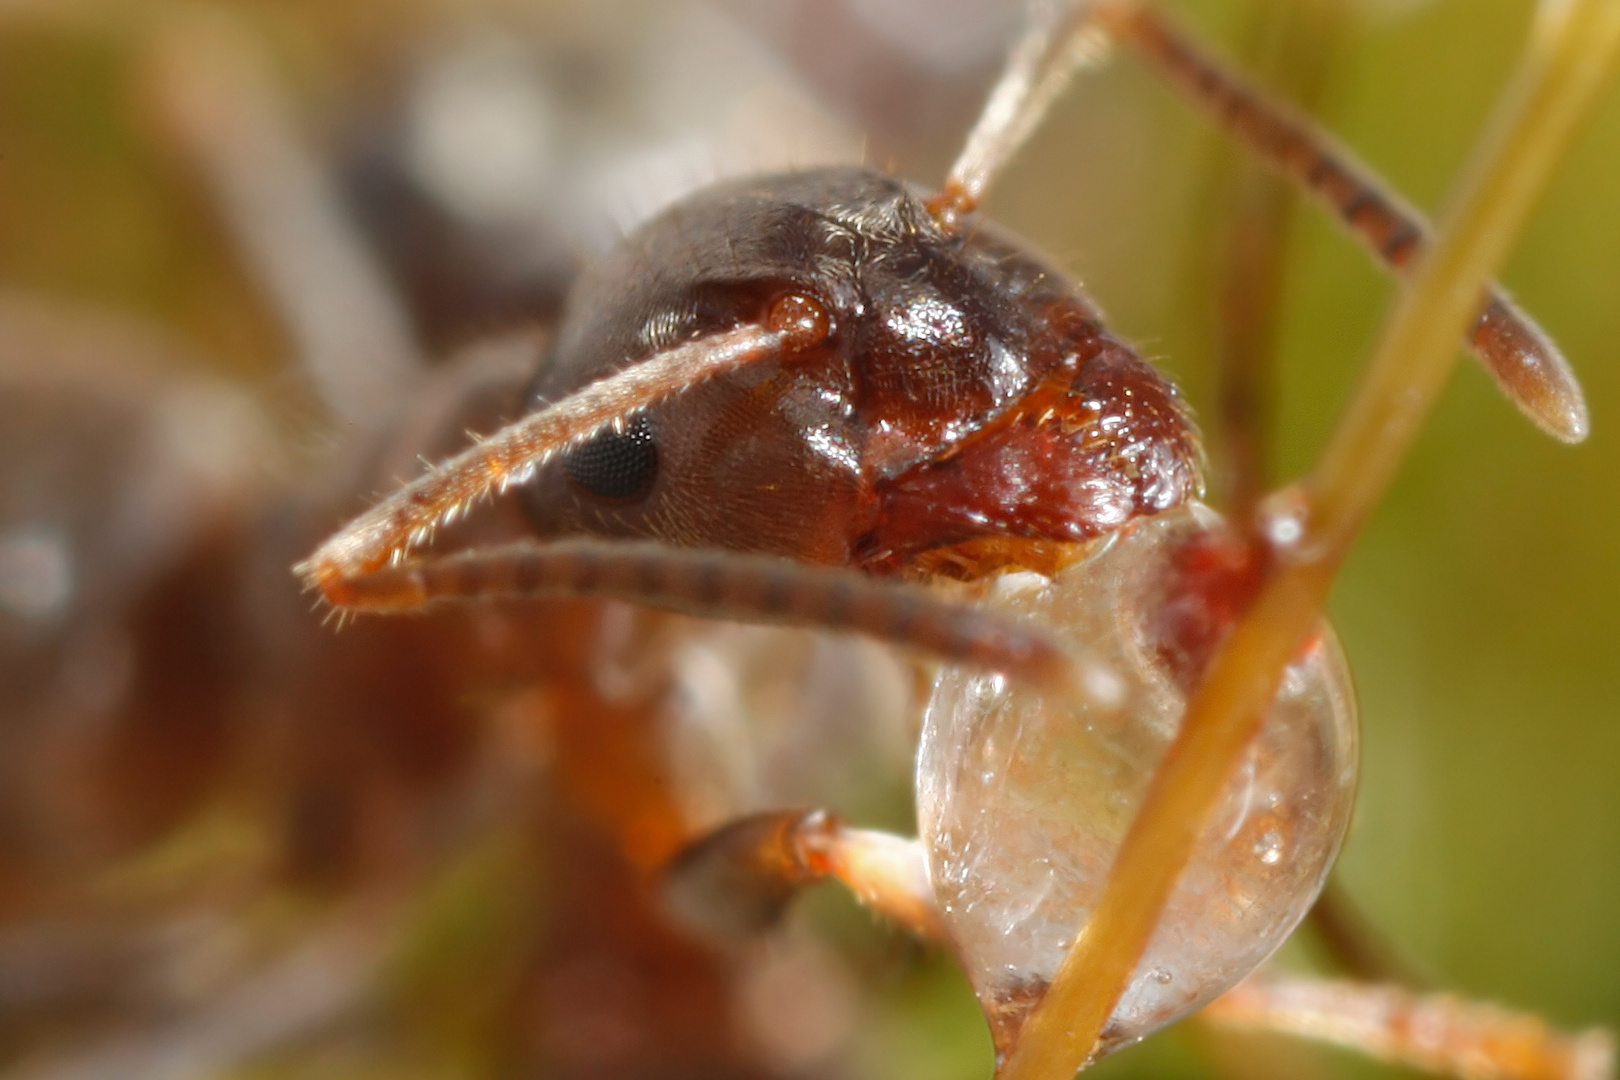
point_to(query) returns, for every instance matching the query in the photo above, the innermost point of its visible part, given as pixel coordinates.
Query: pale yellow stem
(1570, 57)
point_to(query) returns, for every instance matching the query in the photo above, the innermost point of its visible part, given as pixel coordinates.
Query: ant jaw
(987, 556)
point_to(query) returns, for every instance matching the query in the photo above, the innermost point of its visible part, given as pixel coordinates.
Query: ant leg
(743, 588)
(220, 101)
(1438, 1033)
(1523, 360)
(739, 878)
(1387, 1013)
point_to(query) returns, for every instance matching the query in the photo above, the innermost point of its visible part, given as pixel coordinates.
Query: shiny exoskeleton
(965, 411)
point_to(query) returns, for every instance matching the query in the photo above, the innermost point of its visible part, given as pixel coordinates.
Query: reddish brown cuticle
(947, 405)
(801, 320)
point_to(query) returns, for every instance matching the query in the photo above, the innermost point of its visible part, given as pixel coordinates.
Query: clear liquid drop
(1023, 803)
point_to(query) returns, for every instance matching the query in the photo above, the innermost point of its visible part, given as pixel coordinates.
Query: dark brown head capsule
(947, 401)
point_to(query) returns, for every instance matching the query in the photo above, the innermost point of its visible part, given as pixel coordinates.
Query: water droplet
(1020, 859)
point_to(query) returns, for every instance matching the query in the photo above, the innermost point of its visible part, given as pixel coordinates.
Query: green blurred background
(1481, 611)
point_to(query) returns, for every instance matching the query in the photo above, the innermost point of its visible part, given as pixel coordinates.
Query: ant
(798, 390)
(884, 416)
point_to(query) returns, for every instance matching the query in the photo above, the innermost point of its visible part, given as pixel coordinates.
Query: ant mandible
(804, 398)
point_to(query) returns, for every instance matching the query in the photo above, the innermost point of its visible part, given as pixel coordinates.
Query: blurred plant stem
(1289, 47)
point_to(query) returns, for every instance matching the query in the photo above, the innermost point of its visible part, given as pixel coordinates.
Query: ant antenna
(1065, 36)
(1062, 37)
(1517, 353)
(746, 588)
(406, 519)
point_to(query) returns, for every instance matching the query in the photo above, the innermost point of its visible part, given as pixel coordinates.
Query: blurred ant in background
(569, 752)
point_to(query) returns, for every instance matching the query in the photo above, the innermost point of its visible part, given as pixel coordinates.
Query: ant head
(943, 399)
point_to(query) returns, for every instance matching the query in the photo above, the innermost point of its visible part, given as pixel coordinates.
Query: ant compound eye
(616, 464)
(800, 319)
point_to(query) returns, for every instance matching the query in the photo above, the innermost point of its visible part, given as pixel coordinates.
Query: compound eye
(619, 465)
